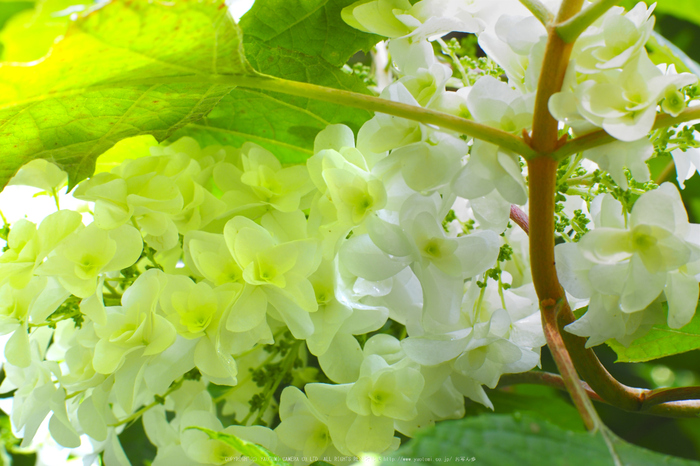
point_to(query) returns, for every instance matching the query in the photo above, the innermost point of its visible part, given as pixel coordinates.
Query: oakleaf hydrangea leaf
(521, 439)
(313, 28)
(285, 125)
(102, 82)
(661, 341)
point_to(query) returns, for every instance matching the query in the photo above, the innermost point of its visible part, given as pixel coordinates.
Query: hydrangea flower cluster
(611, 84)
(202, 265)
(380, 282)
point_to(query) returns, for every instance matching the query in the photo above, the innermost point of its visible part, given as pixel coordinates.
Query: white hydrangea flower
(687, 162)
(614, 40)
(422, 20)
(621, 101)
(517, 44)
(614, 157)
(490, 167)
(625, 270)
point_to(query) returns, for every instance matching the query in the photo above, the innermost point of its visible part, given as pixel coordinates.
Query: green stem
(54, 194)
(113, 292)
(139, 413)
(366, 102)
(54, 322)
(410, 112)
(151, 258)
(600, 137)
(572, 167)
(539, 11)
(287, 365)
(455, 59)
(247, 377)
(570, 29)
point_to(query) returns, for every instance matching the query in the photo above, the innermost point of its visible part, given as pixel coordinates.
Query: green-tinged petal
(162, 335)
(248, 311)
(363, 259)
(370, 433)
(129, 246)
(341, 363)
(213, 363)
(17, 350)
(682, 292)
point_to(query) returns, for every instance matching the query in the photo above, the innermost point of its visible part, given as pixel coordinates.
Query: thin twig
(520, 218)
(547, 379)
(665, 395)
(673, 402)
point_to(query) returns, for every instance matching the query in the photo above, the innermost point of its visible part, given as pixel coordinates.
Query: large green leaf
(29, 35)
(661, 341)
(300, 40)
(546, 402)
(259, 454)
(312, 27)
(8, 9)
(496, 440)
(285, 125)
(90, 92)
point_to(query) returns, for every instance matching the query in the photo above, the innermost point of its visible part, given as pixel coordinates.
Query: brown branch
(545, 128)
(544, 378)
(572, 381)
(542, 171)
(665, 395)
(667, 402)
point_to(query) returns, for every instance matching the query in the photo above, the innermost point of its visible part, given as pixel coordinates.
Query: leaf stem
(542, 180)
(542, 174)
(377, 104)
(570, 29)
(367, 102)
(539, 10)
(176, 385)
